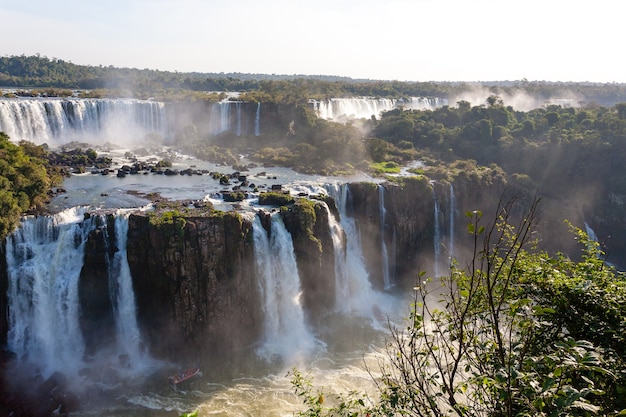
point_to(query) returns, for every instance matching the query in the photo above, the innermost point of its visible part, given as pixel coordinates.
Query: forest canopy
(38, 71)
(24, 181)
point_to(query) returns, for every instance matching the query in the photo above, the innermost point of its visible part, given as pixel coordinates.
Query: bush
(273, 198)
(515, 333)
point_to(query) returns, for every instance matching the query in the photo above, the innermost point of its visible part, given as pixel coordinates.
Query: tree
(24, 181)
(493, 339)
(494, 100)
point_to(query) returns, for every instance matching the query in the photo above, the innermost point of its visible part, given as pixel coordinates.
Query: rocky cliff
(307, 222)
(409, 222)
(194, 283)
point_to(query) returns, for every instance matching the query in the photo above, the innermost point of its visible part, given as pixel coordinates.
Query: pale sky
(418, 40)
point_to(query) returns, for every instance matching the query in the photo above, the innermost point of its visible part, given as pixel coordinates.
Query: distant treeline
(41, 72)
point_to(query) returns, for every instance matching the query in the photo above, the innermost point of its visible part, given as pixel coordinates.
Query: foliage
(352, 405)
(171, 222)
(389, 167)
(44, 72)
(275, 198)
(515, 333)
(24, 182)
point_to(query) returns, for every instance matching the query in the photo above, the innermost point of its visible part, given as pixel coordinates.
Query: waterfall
(383, 243)
(238, 130)
(257, 120)
(286, 333)
(437, 234)
(219, 117)
(342, 283)
(365, 107)
(354, 290)
(57, 121)
(44, 259)
(122, 294)
(439, 240)
(452, 215)
(590, 233)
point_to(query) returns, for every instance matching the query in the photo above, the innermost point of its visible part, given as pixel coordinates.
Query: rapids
(45, 255)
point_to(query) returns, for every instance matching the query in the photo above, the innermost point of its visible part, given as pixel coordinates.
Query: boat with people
(183, 376)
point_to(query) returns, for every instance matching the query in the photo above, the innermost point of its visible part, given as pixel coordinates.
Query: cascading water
(123, 297)
(436, 234)
(452, 215)
(219, 117)
(354, 290)
(286, 334)
(384, 253)
(57, 121)
(342, 284)
(44, 259)
(591, 233)
(364, 107)
(438, 238)
(257, 120)
(238, 130)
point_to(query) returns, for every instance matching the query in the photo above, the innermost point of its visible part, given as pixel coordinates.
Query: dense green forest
(45, 73)
(24, 181)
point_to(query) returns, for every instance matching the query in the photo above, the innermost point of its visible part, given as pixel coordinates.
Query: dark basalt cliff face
(307, 222)
(96, 309)
(194, 283)
(194, 274)
(408, 226)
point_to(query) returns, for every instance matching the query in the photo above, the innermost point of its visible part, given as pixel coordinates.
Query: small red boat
(183, 376)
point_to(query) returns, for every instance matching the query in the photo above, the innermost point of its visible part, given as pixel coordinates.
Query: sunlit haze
(419, 40)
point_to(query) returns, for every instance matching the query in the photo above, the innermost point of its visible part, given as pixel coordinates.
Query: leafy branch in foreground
(352, 405)
(511, 334)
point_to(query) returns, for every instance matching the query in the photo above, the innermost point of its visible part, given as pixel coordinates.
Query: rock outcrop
(194, 284)
(96, 320)
(408, 227)
(307, 222)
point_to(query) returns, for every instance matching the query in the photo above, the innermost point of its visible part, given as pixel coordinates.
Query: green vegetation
(276, 198)
(172, 220)
(24, 181)
(515, 333)
(388, 167)
(300, 219)
(56, 77)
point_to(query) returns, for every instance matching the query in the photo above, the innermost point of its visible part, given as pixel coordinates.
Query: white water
(44, 260)
(342, 283)
(383, 241)
(219, 117)
(363, 107)
(45, 256)
(58, 121)
(350, 336)
(437, 242)
(452, 215)
(125, 310)
(286, 334)
(238, 107)
(257, 120)
(354, 289)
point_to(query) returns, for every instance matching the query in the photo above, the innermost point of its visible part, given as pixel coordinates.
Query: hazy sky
(418, 40)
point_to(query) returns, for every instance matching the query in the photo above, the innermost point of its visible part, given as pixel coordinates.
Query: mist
(518, 99)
